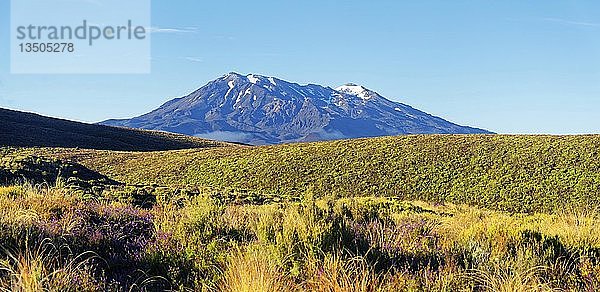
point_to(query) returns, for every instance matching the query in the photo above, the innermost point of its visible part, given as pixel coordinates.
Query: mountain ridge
(257, 109)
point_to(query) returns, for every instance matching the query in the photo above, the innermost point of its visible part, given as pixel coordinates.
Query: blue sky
(508, 66)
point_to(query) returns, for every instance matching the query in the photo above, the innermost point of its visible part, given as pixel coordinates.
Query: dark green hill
(20, 129)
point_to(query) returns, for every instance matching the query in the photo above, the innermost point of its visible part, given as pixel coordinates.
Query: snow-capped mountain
(255, 109)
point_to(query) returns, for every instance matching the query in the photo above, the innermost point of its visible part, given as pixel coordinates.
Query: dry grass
(335, 274)
(501, 280)
(44, 267)
(362, 244)
(251, 270)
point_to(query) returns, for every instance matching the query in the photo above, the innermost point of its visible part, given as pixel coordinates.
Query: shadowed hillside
(21, 129)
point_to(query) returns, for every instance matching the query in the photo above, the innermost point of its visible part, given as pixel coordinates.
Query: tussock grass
(254, 270)
(337, 274)
(514, 281)
(199, 243)
(45, 267)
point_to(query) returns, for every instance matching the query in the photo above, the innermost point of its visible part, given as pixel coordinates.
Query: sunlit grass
(351, 244)
(46, 267)
(254, 270)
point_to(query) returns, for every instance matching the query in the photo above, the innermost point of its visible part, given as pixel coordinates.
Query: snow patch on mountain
(356, 90)
(231, 85)
(253, 79)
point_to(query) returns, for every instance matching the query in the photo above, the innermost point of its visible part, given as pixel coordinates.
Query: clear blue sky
(510, 66)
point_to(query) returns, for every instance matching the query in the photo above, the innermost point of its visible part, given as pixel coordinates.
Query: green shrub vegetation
(510, 173)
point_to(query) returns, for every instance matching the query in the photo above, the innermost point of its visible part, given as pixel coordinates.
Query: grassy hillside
(21, 129)
(514, 173)
(382, 214)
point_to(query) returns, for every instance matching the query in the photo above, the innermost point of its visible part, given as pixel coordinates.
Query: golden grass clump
(253, 270)
(44, 267)
(335, 274)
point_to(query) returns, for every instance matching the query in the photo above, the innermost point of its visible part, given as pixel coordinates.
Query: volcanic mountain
(255, 109)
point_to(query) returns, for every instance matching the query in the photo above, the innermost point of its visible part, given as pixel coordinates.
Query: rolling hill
(20, 129)
(510, 173)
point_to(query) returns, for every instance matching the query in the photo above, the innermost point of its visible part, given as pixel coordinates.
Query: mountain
(256, 109)
(20, 129)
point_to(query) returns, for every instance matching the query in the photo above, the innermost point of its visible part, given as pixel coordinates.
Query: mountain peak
(261, 80)
(232, 74)
(357, 90)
